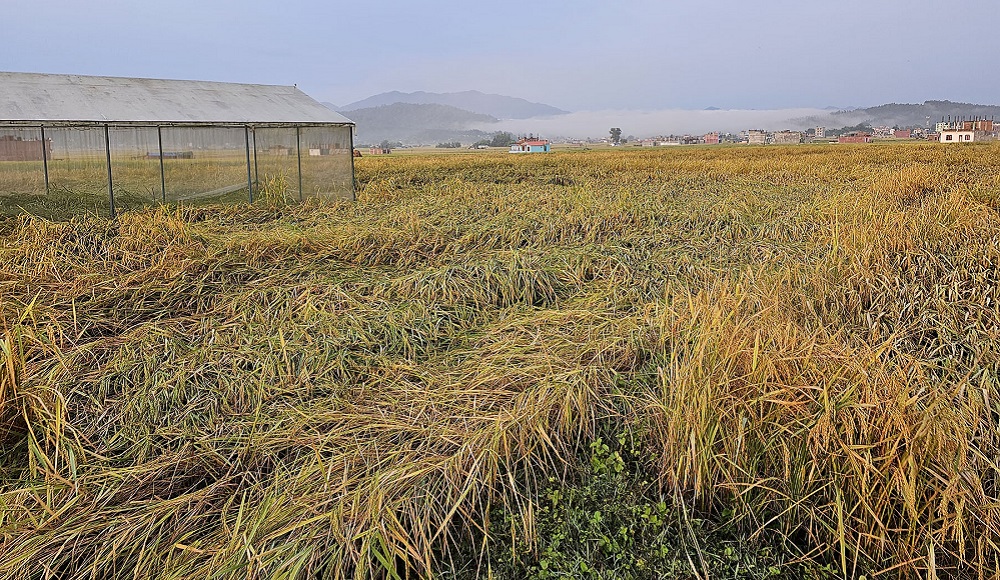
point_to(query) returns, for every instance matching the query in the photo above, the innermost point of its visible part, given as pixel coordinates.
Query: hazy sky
(574, 54)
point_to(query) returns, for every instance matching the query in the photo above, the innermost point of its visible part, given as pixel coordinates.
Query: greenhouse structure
(105, 144)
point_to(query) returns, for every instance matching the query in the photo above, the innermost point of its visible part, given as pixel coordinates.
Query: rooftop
(33, 97)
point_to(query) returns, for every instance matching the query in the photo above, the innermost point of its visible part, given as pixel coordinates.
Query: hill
(416, 123)
(499, 106)
(906, 114)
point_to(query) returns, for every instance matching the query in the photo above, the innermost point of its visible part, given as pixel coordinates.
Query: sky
(579, 55)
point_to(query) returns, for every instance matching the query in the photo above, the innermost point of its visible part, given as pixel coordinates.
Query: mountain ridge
(918, 114)
(497, 106)
(416, 123)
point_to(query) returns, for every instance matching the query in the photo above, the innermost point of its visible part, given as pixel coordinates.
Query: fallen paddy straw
(802, 338)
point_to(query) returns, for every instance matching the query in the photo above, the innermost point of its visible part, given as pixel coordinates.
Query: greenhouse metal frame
(134, 142)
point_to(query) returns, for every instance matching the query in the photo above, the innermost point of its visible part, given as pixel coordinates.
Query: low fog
(642, 124)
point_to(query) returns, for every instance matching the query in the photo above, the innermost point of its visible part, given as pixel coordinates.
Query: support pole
(246, 137)
(256, 175)
(354, 183)
(107, 151)
(163, 174)
(45, 160)
(298, 151)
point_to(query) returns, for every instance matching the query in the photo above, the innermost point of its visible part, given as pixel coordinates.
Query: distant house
(820, 133)
(969, 132)
(963, 136)
(902, 134)
(379, 151)
(711, 138)
(883, 132)
(756, 137)
(19, 149)
(787, 137)
(855, 137)
(530, 146)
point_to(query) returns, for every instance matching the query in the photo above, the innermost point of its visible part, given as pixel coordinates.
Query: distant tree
(499, 139)
(864, 127)
(502, 139)
(616, 135)
(449, 145)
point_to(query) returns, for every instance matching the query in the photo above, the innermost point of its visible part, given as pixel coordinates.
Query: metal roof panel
(51, 97)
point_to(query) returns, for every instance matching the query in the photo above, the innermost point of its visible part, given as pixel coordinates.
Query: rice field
(689, 363)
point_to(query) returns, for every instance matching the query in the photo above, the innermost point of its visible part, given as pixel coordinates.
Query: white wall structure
(962, 136)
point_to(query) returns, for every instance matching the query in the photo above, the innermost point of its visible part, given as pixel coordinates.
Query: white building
(882, 132)
(969, 132)
(963, 136)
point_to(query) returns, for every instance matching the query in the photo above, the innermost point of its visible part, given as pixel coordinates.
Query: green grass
(793, 349)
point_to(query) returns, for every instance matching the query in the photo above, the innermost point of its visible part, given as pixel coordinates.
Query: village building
(969, 132)
(756, 137)
(787, 138)
(711, 138)
(530, 146)
(963, 136)
(883, 132)
(16, 148)
(855, 137)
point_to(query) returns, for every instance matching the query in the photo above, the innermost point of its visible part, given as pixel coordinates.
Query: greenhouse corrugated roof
(50, 97)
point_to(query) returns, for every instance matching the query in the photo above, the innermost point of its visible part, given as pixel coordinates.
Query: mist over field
(672, 122)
